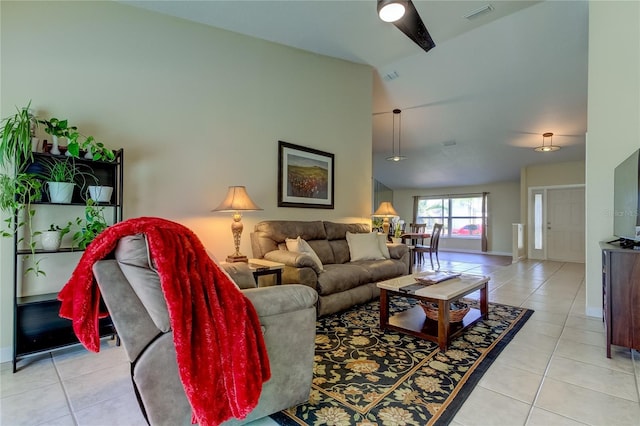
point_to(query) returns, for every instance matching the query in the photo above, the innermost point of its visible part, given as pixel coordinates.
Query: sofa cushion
(337, 278)
(340, 250)
(301, 246)
(338, 231)
(364, 246)
(380, 270)
(269, 235)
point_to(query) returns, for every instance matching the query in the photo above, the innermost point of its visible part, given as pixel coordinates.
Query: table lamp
(236, 201)
(385, 210)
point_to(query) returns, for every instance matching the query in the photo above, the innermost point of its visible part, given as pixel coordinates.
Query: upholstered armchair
(131, 290)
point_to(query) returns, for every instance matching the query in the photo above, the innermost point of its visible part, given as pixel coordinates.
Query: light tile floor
(554, 372)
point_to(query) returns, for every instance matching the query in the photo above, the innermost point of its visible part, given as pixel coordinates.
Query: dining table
(413, 237)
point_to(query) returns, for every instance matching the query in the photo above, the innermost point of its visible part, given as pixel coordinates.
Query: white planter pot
(60, 192)
(395, 240)
(100, 194)
(50, 240)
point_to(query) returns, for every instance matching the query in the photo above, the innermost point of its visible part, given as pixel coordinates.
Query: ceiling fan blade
(411, 24)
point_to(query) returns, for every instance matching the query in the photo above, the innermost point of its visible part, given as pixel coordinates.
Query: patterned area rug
(366, 377)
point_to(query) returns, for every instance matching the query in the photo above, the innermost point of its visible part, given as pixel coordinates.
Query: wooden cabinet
(621, 296)
(37, 325)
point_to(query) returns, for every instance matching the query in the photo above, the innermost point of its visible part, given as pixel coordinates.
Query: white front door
(565, 223)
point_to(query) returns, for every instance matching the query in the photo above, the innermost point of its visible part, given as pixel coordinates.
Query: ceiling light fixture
(547, 148)
(391, 10)
(399, 156)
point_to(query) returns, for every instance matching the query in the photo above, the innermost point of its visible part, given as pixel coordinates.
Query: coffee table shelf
(415, 322)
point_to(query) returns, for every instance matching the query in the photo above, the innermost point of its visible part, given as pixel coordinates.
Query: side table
(261, 267)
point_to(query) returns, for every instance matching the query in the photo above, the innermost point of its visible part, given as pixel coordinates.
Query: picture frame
(305, 177)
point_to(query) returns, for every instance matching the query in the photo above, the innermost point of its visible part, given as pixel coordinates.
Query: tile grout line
(64, 390)
(555, 348)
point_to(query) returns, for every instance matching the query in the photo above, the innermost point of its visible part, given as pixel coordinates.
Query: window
(460, 215)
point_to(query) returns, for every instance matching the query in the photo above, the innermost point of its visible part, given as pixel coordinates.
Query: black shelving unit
(37, 325)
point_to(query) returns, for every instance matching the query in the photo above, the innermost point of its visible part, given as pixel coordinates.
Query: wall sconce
(236, 201)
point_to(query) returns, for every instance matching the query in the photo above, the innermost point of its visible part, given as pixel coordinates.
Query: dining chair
(432, 248)
(418, 228)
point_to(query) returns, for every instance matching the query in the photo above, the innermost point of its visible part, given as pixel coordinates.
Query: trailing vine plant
(19, 188)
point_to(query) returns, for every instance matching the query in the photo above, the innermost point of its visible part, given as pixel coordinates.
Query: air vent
(477, 12)
(391, 76)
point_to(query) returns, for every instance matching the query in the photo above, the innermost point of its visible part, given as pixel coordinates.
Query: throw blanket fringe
(221, 355)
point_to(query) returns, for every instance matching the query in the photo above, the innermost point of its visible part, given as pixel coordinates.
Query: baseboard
(6, 354)
(593, 312)
(495, 253)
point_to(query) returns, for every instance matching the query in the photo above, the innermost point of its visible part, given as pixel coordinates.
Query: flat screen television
(626, 201)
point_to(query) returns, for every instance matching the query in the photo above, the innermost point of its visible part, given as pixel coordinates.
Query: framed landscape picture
(305, 177)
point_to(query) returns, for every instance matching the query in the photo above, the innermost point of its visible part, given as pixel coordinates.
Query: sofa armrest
(292, 258)
(397, 251)
(278, 300)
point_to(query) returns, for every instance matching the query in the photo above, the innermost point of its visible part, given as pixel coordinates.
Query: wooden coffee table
(414, 320)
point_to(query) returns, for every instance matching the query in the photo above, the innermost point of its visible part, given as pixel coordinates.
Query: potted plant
(397, 233)
(62, 176)
(17, 130)
(94, 150)
(100, 193)
(18, 187)
(52, 238)
(57, 129)
(92, 225)
(17, 193)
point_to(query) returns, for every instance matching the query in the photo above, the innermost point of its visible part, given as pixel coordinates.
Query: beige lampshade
(385, 210)
(237, 199)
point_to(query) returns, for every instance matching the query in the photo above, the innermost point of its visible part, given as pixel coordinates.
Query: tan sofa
(341, 283)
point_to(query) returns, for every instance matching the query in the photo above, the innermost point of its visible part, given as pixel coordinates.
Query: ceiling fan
(403, 14)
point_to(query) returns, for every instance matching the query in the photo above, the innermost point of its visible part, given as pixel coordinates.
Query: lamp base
(232, 258)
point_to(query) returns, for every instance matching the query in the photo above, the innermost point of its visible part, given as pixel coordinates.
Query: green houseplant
(94, 150)
(57, 129)
(397, 230)
(52, 237)
(15, 147)
(93, 224)
(18, 188)
(397, 233)
(62, 176)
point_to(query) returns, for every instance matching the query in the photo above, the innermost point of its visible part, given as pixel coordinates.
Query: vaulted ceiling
(473, 108)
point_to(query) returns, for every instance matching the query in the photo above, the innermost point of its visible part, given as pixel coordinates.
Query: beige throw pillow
(301, 246)
(382, 243)
(364, 246)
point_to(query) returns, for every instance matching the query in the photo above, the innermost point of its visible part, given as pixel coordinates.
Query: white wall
(566, 173)
(613, 122)
(195, 108)
(504, 210)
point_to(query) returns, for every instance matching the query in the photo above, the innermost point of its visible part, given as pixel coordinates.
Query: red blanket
(221, 354)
